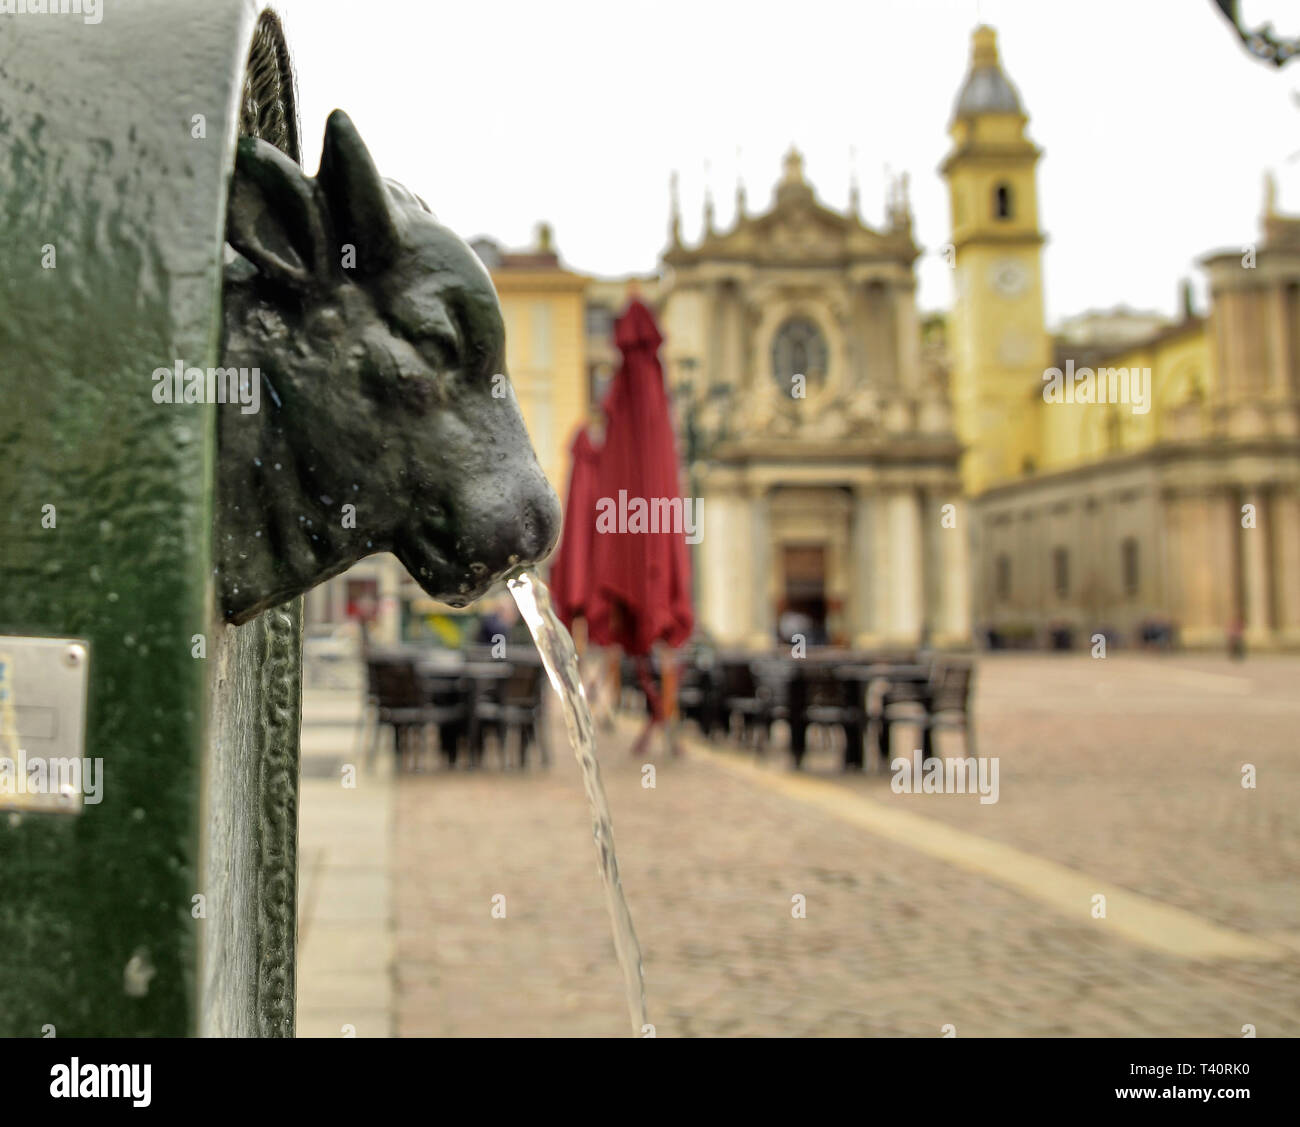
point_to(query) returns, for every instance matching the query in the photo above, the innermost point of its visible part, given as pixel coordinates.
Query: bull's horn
(358, 200)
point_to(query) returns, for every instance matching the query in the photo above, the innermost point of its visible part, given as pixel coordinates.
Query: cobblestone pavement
(1128, 771)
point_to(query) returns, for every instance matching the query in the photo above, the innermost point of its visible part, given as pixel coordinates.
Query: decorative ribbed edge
(277, 846)
(268, 110)
(268, 106)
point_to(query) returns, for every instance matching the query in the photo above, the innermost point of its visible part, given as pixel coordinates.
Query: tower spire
(855, 199)
(674, 212)
(987, 88)
(740, 189)
(708, 201)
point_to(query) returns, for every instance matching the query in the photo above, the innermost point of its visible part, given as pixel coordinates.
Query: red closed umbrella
(641, 592)
(571, 576)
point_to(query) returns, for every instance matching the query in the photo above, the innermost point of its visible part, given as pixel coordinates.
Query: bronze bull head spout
(385, 420)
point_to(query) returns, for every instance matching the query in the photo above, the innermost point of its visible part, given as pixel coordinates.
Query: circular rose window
(799, 350)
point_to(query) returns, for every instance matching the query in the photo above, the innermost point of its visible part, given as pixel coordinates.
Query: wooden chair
(831, 701)
(941, 701)
(742, 698)
(400, 703)
(446, 696)
(949, 704)
(512, 705)
(902, 701)
(698, 696)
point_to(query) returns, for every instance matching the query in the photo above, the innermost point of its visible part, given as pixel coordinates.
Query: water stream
(561, 661)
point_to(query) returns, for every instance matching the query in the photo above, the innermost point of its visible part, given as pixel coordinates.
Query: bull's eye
(441, 349)
(430, 329)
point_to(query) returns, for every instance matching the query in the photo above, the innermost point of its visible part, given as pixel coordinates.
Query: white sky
(1157, 127)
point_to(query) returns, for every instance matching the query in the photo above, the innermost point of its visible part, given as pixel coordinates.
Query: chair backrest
(951, 686)
(692, 676)
(372, 679)
(443, 688)
(397, 684)
(824, 689)
(523, 688)
(773, 677)
(738, 678)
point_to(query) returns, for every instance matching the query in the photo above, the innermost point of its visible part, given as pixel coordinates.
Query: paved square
(1125, 771)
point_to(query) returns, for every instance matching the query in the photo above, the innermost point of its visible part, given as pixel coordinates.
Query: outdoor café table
(483, 677)
(789, 681)
(916, 678)
(447, 690)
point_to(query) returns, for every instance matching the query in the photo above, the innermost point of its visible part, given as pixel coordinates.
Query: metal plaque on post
(43, 768)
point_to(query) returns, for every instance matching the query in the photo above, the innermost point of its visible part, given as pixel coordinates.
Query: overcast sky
(1157, 127)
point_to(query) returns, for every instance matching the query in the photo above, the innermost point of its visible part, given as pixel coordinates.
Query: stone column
(905, 570)
(1285, 516)
(726, 574)
(762, 618)
(954, 578)
(1279, 344)
(1210, 525)
(882, 576)
(865, 579)
(1255, 572)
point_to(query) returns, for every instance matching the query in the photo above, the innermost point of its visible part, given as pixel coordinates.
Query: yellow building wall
(1181, 390)
(996, 331)
(544, 314)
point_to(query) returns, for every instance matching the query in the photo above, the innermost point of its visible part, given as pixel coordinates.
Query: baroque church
(820, 441)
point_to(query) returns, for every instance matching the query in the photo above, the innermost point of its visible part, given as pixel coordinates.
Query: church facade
(819, 441)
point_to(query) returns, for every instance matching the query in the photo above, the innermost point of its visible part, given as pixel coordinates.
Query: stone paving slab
(894, 942)
(345, 871)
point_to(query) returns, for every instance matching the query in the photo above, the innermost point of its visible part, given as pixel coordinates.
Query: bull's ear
(274, 217)
(359, 202)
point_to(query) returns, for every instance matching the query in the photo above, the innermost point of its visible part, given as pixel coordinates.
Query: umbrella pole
(668, 664)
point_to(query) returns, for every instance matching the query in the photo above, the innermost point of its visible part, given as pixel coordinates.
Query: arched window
(1002, 202)
(1061, 572)
(1129, 559)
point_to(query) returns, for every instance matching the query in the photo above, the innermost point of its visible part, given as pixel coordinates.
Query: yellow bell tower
(998, 340)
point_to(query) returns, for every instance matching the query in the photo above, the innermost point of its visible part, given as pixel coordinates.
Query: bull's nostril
(539, 525)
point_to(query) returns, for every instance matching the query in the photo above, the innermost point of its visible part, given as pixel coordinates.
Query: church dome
(987, 89)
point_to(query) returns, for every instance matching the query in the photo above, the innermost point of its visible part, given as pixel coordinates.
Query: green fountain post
(167, 908)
